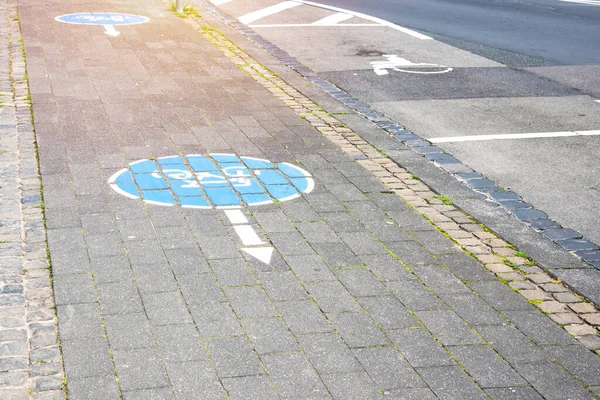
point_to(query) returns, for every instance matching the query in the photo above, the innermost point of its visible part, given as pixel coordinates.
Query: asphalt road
(517, 67)
(545, 31)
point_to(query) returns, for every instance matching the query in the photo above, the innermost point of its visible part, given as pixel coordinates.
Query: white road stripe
(597, 101)
(236, 217)
(506, 136)
(587, 2)
(301, 25)
(379, 21)
(334, 19)
(220, 2)
(265, 12)
(248, 236)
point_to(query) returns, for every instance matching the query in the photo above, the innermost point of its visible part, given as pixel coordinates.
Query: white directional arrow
(264, 254)
(249, 237)
(110, 30)
(400, 64)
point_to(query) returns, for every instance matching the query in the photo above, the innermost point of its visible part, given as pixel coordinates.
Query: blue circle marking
(102, 18)
(211, 181)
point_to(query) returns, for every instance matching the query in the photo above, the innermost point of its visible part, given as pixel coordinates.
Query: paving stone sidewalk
(362, 299)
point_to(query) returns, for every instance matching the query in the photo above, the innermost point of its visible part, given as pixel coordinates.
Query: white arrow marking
(264, 254)
(110, 30)
(249, 236)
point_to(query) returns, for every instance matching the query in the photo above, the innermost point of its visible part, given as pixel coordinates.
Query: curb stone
(33, 369)
(519, 272)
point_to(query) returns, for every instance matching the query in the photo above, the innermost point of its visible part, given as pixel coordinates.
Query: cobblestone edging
(30, 359)
(566, 238)
(578, 317)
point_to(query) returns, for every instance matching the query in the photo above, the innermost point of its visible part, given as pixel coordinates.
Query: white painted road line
(236, 217)
(220, 2)
(586, 2)
(507, 136)
(334, 19)
(302, 25)
(264, 254)
(265, 12)
(379, 21)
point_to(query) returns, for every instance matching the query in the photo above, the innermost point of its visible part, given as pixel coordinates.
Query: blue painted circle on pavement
(211, 181)
(102, 18)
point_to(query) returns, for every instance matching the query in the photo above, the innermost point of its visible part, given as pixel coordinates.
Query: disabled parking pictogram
(215, 181)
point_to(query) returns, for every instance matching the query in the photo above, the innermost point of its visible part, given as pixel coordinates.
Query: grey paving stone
(175, 237)
(79, 321)
(294, 376)
(486, 366)
(309, 268)
(102, 245)
(233, 272)
(165, 308)
(199, 288)
(215, 247)
(290, 243)
(317, 232)
(387, 268)
(440, 279)
(74, 289)
(346, 192)
(142, 252)
(415, 296)
(388, 369)
(178, 343)
(410, 394)
(513, 393)
(411, 253)
(328, 353)
(269, 335)
(195, 380)
(579, 361)
(388, 312)
(337, 255)
(554, 384)
(351, 385)
(539, 327)
(512, 344)
(387, 231)
(233, 357)
(70, 262)
(250, 302)
(361, 282)
(282, 285)
(273, 221)
(250, 388)
(111, 269)
(187, 261)
(363, 243)
(451, 382)
(420, 348)
(215, 320)
(410, 221)
(358, 329)
(472, 309)
(332, 296)
(128, 331)
(466, 268)
(119, 297)
(303, 317)
(342, 221)
(388, 201)
(164, 393)
(93, 388)
(154, 278)
(447, 326)
(85, 358)
(139, 369)
(499, 296)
